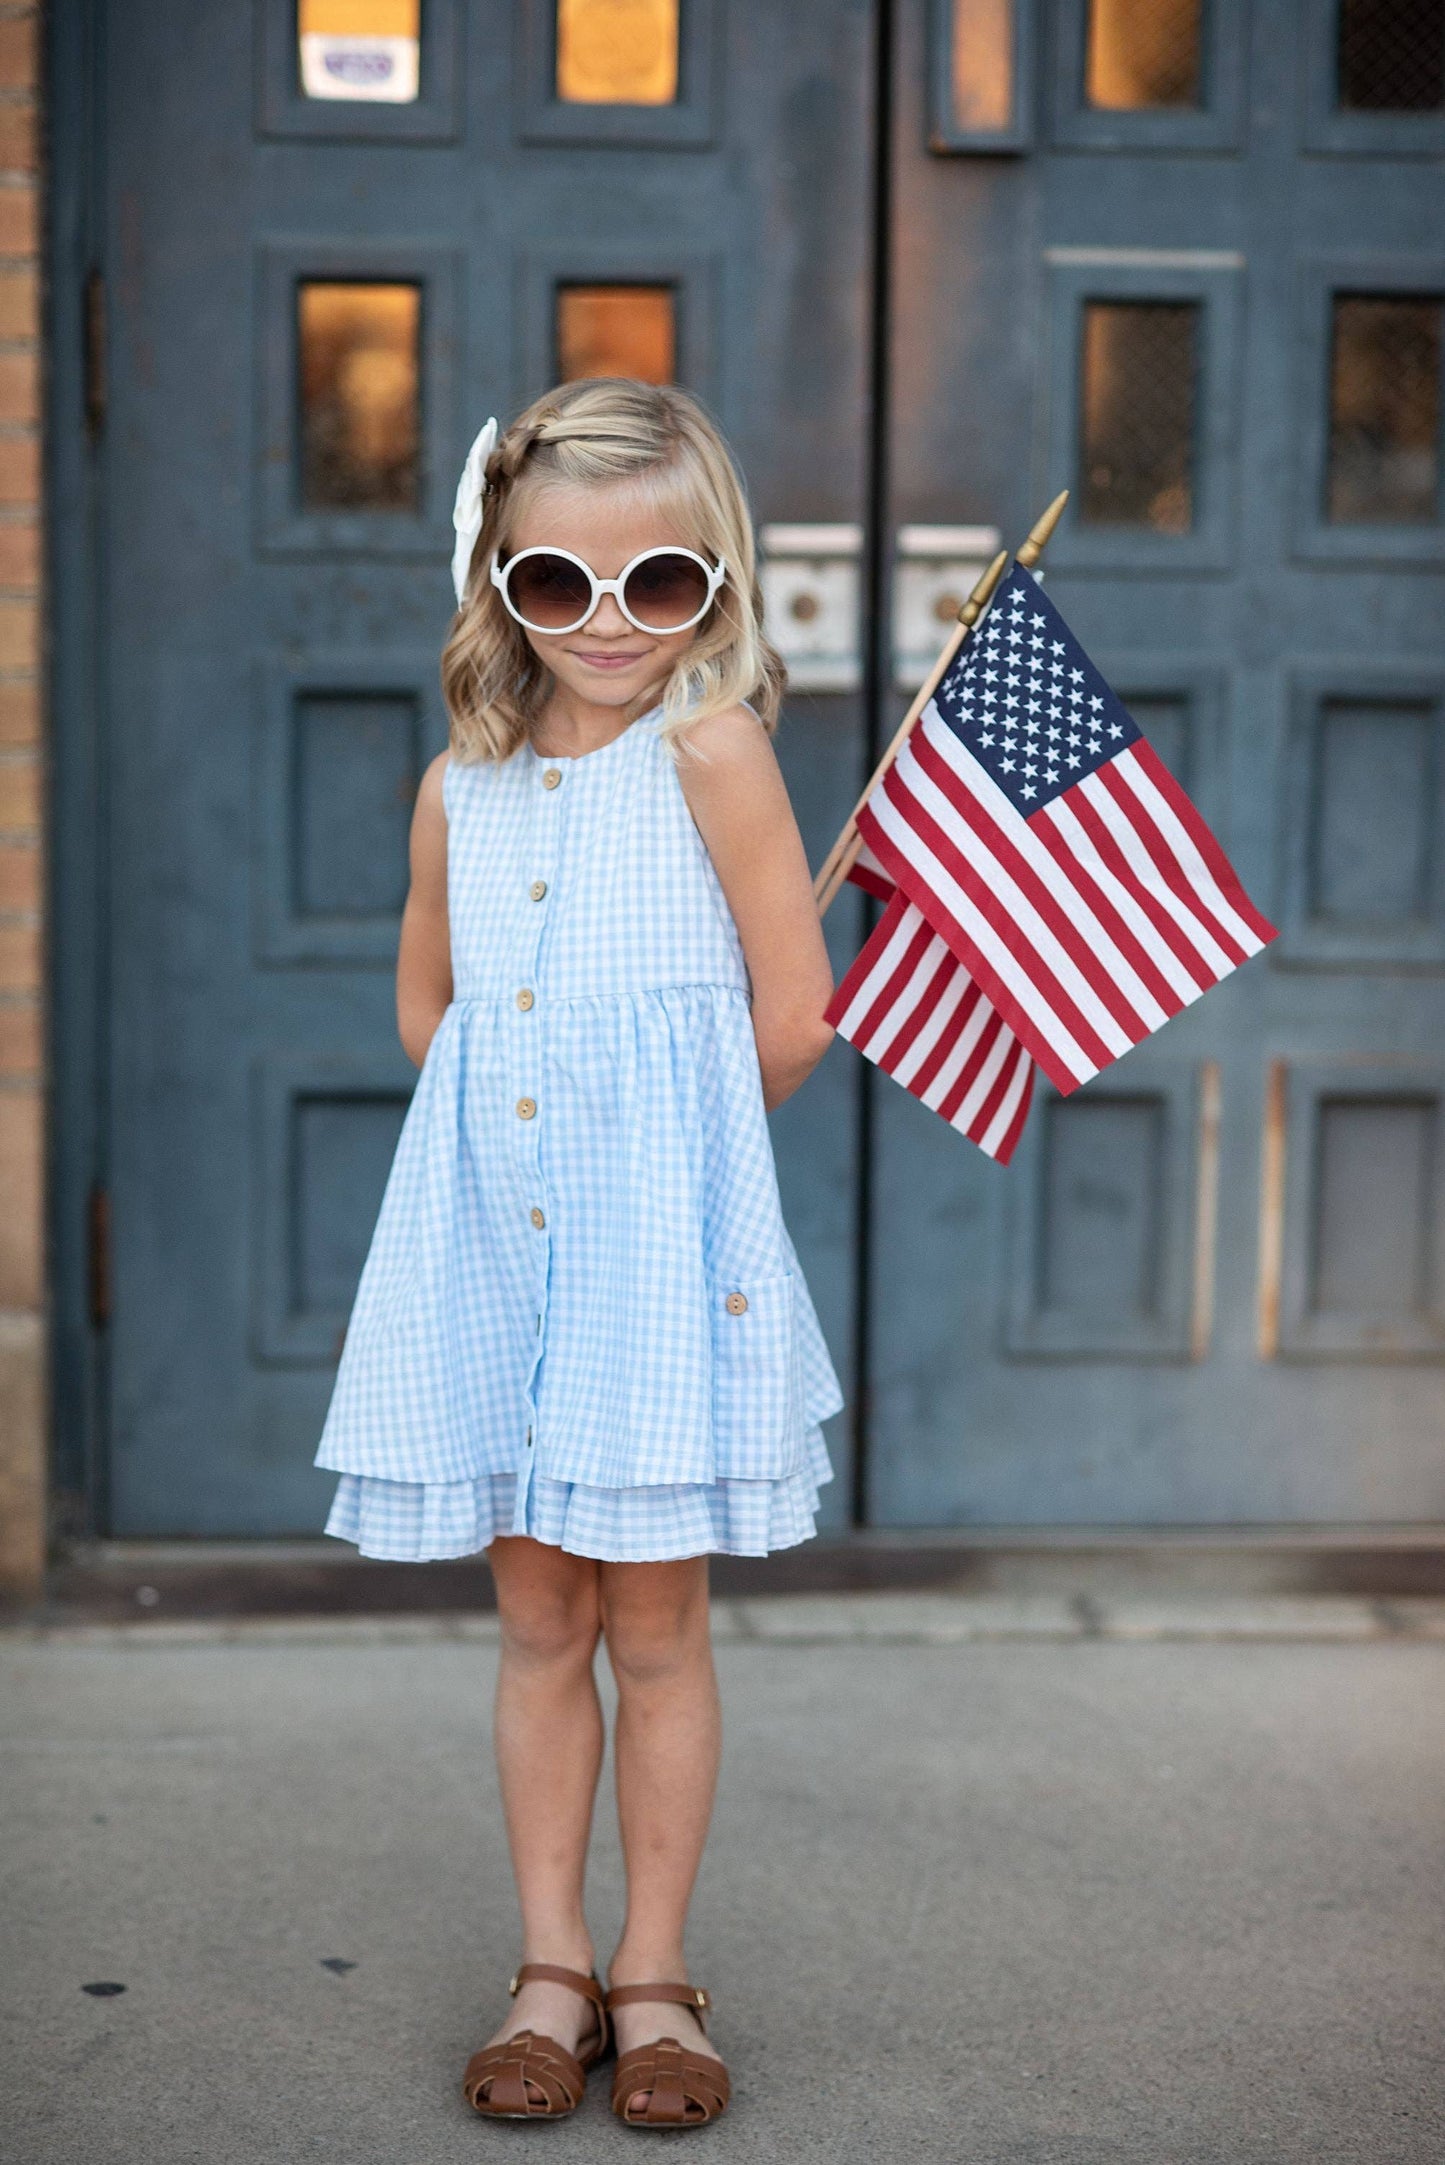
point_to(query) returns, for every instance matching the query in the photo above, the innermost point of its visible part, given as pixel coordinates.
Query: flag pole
(841, 857)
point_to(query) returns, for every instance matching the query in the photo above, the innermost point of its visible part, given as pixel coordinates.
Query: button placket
(526, 1025)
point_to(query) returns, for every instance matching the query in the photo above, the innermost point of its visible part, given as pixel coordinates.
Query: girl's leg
(667, 1744)
(549, 1737)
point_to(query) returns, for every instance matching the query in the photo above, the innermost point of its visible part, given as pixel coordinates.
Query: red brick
(19, 52)
(19, 387)
(20, 958)
(21, 1047)
(21, 879)
(19, 553)
(19, 634)
(19, 714)
(19, 219)
(17, 138)
(22, 1268)
(19, 304)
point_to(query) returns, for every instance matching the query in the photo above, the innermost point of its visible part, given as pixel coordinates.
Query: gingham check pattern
(595, 1353)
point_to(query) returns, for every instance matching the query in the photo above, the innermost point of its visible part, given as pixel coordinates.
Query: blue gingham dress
(581, 1316)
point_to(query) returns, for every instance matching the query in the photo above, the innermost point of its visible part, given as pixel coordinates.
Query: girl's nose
(607, 620)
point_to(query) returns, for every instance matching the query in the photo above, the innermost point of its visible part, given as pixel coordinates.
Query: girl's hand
(424, 959)
(739, 801)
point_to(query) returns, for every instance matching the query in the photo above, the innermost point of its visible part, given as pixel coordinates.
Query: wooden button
(525, 1108)
(537, 1219)
(525, 998)
(736, 1303)
(551, 778)
(537, 889)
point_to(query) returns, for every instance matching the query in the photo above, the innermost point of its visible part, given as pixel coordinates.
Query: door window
(1384, 432)
(1138, 373)
(617, 52)
(1390, 56)
(355, 50)
(616, 331)
(358, 350)
(1142, 55)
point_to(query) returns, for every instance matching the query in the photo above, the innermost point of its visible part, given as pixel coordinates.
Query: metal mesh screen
(1390, 56)
(1139, 366)
(1384, 445)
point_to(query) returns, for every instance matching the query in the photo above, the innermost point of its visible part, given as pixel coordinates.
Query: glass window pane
(1142, 55)
(616, 331)
(359, 49)
(983, 65)
(1139, 369)
(1390, 56)
(359, 352)
(1384, 455)
(617, 52)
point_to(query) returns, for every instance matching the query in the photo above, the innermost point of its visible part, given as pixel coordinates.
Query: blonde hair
(610, 429)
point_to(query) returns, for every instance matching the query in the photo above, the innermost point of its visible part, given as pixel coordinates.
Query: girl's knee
(548, 1606)
(655, 1619)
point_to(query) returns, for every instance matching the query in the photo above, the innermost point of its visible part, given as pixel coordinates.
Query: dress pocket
(757, 1396)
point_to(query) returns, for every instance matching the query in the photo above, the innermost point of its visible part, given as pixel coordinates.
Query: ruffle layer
(425, 1521)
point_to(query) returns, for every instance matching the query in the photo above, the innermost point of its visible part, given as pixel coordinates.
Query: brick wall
(23, 1423)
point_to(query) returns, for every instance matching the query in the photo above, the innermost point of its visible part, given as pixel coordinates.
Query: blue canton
(1028, 703)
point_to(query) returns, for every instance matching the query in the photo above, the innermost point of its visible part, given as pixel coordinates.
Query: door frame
(75, 830)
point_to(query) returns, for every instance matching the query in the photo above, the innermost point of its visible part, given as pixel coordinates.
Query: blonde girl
(582, 1341)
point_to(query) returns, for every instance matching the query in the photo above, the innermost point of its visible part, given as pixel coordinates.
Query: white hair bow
(467, 510)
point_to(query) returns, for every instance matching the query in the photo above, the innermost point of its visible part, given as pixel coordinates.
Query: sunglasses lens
(666, 591)
(549, 591)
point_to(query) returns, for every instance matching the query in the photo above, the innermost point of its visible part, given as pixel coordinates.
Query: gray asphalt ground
(989, 1881)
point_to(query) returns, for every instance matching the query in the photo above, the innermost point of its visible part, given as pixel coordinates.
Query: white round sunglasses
(661, 590)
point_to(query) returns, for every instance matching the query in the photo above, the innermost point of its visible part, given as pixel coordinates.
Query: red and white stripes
(1086, 924)
(912, 1008)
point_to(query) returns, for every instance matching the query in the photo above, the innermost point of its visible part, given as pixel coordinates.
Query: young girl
(582, 1341)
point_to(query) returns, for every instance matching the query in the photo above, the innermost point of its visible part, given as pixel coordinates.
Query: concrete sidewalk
(1153, 1881)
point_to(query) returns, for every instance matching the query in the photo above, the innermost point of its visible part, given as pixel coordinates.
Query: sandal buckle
(513, 1986)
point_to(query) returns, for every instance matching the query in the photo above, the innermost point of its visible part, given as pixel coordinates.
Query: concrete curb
(826, 1619)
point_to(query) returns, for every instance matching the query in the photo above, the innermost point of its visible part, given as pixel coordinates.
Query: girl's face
(608, 662)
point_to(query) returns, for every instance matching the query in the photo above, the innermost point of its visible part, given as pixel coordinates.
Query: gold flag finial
(982, 594)
(1038, 539)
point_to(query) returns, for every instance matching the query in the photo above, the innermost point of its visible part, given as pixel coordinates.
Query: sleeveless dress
(581, 1316)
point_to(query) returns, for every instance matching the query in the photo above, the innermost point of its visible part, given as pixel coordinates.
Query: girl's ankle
(562, 1954)
(645, 1969)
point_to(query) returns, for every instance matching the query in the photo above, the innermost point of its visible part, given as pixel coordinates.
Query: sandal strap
(553, 1973)
(674, 2078)
(510, 2072)
(692, 1996)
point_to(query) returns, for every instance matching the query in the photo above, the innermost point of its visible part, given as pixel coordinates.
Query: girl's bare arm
(424, 959)
(739, 801)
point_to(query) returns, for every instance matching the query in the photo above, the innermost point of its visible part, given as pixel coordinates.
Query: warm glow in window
(1143, 55)
(1385, 397)
(360, 49)
(1139, 367)
(617, 52)
(983, 65)
(358, 350)
(616, 331)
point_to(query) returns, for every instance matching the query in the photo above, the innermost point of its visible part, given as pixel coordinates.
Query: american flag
(1053, 896)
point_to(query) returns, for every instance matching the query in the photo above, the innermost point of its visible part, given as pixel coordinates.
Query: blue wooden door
(1188, 262)
(329, 253)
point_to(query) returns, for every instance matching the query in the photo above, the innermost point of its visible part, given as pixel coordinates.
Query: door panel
(315, 302)
(1208, 1290)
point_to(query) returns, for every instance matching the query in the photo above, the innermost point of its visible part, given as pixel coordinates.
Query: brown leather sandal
(688, 2088)
(531, 2077)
